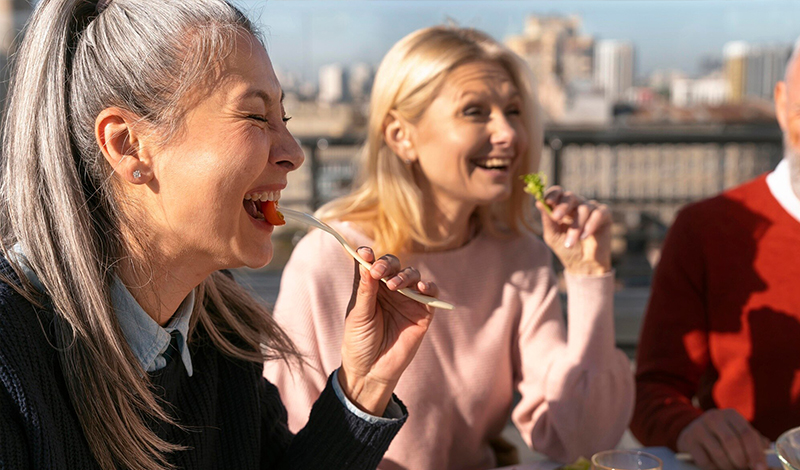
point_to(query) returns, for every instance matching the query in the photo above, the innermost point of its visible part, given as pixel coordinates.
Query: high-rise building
(766, 66)
(557, 54)
(361, 78)
(332, 83)
(613, 67)
(552, 45)
(735, 57)
(752, 71)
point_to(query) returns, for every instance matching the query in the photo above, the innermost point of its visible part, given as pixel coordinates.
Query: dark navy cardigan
(235, 418)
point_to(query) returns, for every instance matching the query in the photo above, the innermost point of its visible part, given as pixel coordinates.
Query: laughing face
(470, 140)
(234, 150)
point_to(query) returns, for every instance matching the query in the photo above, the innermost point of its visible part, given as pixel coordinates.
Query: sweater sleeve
(333, 437)
(673, 346)
(315, 289)
(577, 388)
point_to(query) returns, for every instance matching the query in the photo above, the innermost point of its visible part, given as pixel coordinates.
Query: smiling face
(234, 148)
(471, 139)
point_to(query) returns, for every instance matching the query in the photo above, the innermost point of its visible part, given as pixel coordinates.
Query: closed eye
(257, 117)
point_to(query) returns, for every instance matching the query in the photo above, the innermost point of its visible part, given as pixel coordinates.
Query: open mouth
(500, 164)
(252, 203)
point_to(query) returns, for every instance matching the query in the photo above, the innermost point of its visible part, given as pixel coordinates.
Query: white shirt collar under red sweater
(780, 185)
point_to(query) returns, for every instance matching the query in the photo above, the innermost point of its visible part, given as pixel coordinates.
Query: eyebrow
(261, 94)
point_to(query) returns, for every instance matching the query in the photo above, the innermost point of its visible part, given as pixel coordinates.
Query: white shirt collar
(780, 185)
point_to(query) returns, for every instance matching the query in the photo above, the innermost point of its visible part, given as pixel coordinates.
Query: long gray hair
(59, 200)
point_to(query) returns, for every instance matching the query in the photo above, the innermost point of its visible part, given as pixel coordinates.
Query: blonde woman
(453, 125)
(138, 136)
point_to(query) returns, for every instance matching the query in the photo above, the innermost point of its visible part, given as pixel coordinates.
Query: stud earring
(137, 174)
(408, 161)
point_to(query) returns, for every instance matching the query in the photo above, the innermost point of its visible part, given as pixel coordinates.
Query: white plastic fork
(308, 219)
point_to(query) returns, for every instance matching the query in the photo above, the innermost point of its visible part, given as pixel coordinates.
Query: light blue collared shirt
(147, 339)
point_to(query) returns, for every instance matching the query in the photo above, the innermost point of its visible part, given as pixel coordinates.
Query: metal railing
(623, 166)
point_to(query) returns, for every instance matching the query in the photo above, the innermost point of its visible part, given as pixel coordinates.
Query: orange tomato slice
(271, 213)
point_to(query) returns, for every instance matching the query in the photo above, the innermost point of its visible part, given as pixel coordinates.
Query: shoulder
(742, 198)
(739, 208)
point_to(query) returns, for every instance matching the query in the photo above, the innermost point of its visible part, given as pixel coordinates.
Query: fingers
(723, 439)
(728, 453)
(751, 441)
(571, 215)
(367, 280)
(405, 278)
(386, 266)
(599, 217)
(428, 288)
(562, 202)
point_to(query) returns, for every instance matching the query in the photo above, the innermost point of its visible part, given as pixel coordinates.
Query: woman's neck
(159, 288)
(448, 220)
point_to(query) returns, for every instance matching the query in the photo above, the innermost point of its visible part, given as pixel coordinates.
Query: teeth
(265, 196)
(493, 163)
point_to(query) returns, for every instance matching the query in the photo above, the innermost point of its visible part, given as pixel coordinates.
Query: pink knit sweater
(507, 333)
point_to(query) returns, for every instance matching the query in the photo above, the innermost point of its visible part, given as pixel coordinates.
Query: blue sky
(304, 34)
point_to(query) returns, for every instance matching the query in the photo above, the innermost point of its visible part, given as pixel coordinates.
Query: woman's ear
(398, 135)
(121, 145)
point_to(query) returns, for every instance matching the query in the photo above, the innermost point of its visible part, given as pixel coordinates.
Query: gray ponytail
(57, 198)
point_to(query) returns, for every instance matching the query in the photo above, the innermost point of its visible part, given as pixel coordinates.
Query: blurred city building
(561, 59)
(753, 70)
(712, 90)
(361, 77)
(614, 67)
(332, 84)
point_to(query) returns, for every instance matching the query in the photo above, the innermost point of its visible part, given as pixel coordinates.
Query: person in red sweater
(718, 369)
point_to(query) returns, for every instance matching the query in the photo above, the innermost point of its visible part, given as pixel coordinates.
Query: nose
(503, 134)
(286, 152)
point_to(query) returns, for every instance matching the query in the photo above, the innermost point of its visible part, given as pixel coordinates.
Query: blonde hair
(387, 201)
(58, 200)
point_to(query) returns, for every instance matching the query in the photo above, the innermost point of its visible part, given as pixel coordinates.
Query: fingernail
(558, 213)
(568, 244)
(393, 282)
(380, 270)
(584, 236)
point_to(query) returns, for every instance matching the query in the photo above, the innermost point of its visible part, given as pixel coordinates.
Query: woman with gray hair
(143, 144)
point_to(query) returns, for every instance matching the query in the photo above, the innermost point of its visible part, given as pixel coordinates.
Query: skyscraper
(361, 78)
(558, 55)
(613, 67)
(752, 71)
(552, 45)
(735, 57)
(332, 83)
(765, 67)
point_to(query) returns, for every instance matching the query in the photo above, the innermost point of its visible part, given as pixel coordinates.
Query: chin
(260, 261)
(499, 196)
(253, 257)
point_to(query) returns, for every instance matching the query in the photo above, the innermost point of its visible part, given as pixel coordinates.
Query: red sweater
(723, 322)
